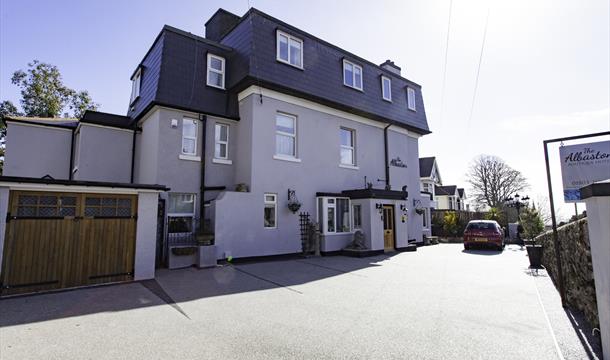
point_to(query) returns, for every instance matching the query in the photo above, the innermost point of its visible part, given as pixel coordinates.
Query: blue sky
(545, 71)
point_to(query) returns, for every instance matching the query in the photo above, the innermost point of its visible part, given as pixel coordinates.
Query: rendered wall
(146, 236)
(36, 151)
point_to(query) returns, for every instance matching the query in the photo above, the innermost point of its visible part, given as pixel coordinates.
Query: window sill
(351, 167)
(222, 161)
(189, 157)
(354, 88)
(215, 87)
(285, 158)
(387, 100)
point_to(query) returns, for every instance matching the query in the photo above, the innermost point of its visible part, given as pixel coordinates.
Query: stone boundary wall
(576, 264)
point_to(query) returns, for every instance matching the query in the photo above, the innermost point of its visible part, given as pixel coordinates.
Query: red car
(483, 233)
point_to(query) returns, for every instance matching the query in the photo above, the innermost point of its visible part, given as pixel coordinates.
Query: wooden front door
(63, 240)
(388, 227)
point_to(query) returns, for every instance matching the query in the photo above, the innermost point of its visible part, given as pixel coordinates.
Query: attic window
(411, 99)
(216, 71)
(386, 88)
(135, 85)
(352, 75)
(289, 50)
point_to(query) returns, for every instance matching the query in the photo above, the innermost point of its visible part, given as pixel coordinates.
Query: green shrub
(450, 223)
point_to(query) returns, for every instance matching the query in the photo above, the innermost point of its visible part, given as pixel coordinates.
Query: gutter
(70, 173)
(387, 160)
(202, 188)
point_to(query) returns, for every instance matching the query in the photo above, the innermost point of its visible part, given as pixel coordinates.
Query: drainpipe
(201, 229)
(387, 160)
(70, 173)
(133, 152)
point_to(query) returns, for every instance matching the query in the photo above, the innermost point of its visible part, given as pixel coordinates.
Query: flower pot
(534, 253)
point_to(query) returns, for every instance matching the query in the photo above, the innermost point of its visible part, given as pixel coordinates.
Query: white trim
(354, 66)
(74, 188)
(221, 72)
(52, 127)
(274, 203)
(221, 142)
(383, 78)
(411, 91)
(81, 124)
(195, 138)
(287, 158)
(351, 167)
(256, 90)
(277, 48)
(189, 157)
(222, 161)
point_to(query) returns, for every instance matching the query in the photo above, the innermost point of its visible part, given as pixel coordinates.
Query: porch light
(293, 203)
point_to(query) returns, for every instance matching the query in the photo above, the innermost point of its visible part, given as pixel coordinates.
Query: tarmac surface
(440, 302)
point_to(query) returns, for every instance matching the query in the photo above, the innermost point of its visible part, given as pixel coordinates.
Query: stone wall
(576, 264)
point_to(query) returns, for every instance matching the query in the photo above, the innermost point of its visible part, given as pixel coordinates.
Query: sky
(544, 70)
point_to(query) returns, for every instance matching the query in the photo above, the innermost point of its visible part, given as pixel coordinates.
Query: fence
(463, 217)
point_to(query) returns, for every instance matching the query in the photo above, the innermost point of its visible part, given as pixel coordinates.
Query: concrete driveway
(437, 303)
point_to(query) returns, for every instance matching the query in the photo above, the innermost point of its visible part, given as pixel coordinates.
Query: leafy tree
(43, 93)
(450, 223)
(532, 222)
(496, 214)
(492, 180)
(7, 108)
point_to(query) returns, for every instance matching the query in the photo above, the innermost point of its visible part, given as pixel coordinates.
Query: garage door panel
(44, 251)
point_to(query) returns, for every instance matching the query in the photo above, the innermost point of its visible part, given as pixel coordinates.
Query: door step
(408, 248)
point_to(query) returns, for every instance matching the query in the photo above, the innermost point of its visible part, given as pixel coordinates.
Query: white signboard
(582, 165)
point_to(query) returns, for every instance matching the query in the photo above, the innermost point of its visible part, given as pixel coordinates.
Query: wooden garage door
(63, 240)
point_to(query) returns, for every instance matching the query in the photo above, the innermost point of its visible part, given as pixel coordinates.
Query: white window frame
(177, 214)
(189, 137)
(354, 214)
(270, 202)
(294, 156)
(386, 97)
(211, 69)
(411, 99)
(136, 82)
(354, 66)
(426, 219)
(352, 148)
(325, 206)
(277, 48)
(217, 140)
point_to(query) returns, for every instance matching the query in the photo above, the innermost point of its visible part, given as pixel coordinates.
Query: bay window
(334, 215)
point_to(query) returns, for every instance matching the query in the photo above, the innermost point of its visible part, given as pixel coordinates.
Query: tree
(43, 93)
(450, 223)
(531, 221)
(495, 214)
(492, 180)
(7, 108)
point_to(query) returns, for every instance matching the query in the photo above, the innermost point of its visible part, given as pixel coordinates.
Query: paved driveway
(437, 303)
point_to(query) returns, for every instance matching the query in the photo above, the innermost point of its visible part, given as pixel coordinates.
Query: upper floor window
(286, 135)
(386, 88)
(216, 71)
(289, 49)
(352, 75)
(347, 147)
(411, 98)
(426, 187)
(189, 136)
(221, 141)
(135, 85)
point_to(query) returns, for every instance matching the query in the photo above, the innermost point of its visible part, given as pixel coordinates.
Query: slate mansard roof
(174, 73)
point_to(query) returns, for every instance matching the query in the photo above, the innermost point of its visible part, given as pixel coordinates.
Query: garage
(65, 239)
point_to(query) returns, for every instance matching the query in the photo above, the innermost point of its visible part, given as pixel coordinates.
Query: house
(247, 129)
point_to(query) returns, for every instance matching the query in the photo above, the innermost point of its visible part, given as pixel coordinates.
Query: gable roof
(461, 192)
(448, 190)
(425, 166)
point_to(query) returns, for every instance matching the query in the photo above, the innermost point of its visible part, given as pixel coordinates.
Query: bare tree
(492, 180)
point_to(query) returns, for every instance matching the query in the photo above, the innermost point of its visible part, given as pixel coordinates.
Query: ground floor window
(357, 214)
(334, 215)
(180, 213)
(270, 212)
(425, 217)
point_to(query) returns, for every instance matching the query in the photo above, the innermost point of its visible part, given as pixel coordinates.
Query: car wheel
(466, 247)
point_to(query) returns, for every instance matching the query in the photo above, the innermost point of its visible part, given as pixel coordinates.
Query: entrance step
(408, 248)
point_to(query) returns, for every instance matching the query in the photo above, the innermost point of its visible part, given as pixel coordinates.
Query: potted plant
(531, 224)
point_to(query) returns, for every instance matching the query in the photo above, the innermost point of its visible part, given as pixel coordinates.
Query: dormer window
(216, 71)
(352, 75)
(386, 88)
(289, 50)
(135, 85)
(411, 99)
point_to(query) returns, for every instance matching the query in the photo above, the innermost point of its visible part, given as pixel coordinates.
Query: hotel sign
(582, 165)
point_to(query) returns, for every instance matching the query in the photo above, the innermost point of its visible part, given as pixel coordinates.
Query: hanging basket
(420, 211)
(294, 206)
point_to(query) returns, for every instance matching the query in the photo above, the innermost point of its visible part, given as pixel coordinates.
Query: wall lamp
(379, 207)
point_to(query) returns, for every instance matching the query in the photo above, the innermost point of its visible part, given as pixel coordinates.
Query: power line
(440, 121)
(476, 83)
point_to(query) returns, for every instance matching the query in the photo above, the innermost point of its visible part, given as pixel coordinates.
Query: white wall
(146, 236)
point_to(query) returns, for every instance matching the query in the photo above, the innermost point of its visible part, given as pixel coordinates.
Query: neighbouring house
(248, 129)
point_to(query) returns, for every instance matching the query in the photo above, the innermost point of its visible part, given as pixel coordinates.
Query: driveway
(437, 303)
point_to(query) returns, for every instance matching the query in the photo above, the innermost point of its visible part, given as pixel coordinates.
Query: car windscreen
(481, 226)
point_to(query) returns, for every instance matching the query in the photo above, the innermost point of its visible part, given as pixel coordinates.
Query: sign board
(582, 165)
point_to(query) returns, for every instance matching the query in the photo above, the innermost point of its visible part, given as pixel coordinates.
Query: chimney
(391, 67)
(219, 24)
